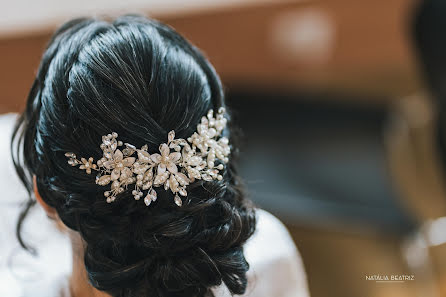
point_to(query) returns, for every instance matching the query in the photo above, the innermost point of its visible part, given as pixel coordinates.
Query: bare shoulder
(276, 267)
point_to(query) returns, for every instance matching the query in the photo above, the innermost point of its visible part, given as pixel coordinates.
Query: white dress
(276, 269)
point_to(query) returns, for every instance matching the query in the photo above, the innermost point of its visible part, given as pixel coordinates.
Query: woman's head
(141, 79)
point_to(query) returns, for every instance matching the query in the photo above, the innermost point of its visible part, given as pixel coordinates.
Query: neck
(79, 285)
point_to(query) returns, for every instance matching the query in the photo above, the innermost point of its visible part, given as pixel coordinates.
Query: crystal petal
(178, 200)
(182, 178)
(172, 167)
(118, 156)
(144, 156)
(167, 185)
(127, 162)
(171, 135)
(103, 180)
(115, 185)
(147, 200)
(153, 194)
(108, 164)
(183, 192)
(161, 168)
(175, 157)
(156, 158)
(115, 174)
(164, 149)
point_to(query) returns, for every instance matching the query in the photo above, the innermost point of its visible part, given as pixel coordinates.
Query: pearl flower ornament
(178, 163)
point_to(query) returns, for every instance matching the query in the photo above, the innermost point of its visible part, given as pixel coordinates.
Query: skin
(79, 285)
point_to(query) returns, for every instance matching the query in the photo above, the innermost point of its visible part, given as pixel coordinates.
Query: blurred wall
(323, 46)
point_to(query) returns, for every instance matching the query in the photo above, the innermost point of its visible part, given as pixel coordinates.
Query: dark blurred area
(322, 164)
(341, 109)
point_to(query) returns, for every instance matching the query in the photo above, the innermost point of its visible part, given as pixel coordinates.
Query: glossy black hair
(141, 79)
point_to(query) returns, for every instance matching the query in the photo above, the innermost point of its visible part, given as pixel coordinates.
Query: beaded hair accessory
(179, 163)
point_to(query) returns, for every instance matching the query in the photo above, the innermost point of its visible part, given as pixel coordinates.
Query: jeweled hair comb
(179, 163)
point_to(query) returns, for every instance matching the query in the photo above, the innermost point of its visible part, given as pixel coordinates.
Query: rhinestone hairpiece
(178, 163)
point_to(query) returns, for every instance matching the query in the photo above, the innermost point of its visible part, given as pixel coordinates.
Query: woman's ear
(50, 211)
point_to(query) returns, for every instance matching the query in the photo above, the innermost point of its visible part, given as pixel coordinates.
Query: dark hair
(141, 79)
(429, 37)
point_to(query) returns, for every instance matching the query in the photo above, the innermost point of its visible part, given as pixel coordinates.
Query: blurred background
(340, 128)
